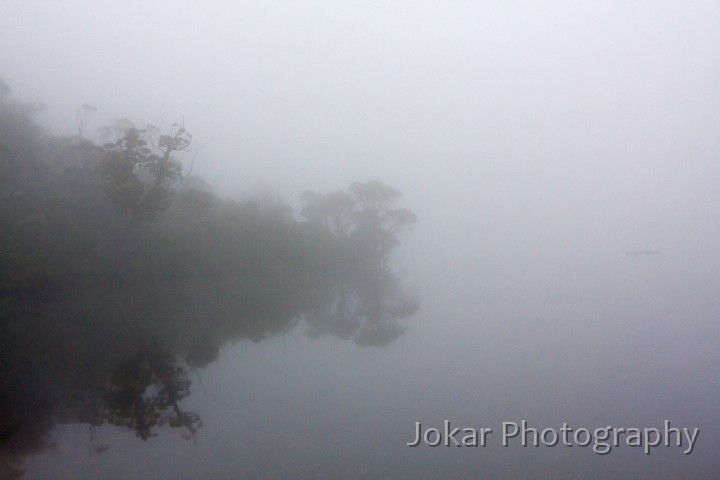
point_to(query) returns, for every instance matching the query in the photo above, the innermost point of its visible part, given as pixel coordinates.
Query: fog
(561, 158)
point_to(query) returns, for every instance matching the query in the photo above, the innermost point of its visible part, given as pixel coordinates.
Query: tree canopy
(119, 276)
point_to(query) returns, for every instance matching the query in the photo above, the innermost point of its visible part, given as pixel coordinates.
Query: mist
(548, 178)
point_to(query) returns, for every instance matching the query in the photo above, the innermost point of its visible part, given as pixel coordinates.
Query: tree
(20, 141)
(202, 273)
(333, 211)
(374, 196)
(367, 308)
(139, 181)
(4, 90)
(376, 224)
(364, 215)
(81, 115)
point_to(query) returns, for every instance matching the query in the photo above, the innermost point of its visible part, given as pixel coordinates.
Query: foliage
(364, 214)
(139, 181)
(118, 276)
(144, 387)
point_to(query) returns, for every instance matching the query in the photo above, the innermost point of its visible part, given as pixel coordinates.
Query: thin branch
(192, 162)
(156, 147)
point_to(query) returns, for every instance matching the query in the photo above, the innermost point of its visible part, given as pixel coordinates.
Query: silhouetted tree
(81, 116)
(376, 223)
(140, 181)
(333, 211)
(92, 331)
(363, 214)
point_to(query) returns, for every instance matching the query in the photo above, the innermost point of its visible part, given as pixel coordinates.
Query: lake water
(613, 341)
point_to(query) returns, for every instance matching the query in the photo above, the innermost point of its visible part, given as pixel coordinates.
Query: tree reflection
(135, 374)
(131, 369)
(145, 391)
(368, 311)
(118, 276)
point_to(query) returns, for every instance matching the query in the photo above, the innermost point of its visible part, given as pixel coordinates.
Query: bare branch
(156, 147)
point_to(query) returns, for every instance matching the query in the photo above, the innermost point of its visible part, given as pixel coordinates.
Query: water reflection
(134, 370)
(145, 391)
(367, 312)
(119, 276)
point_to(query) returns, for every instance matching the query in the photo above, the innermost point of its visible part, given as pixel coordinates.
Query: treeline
(118, 274)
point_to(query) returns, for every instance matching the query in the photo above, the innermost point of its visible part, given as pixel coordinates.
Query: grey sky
(568, 111)
(326, 92)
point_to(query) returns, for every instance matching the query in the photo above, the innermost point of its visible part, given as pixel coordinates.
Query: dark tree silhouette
(93, 331)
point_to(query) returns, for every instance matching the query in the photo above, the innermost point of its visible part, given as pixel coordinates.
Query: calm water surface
(627, 342)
